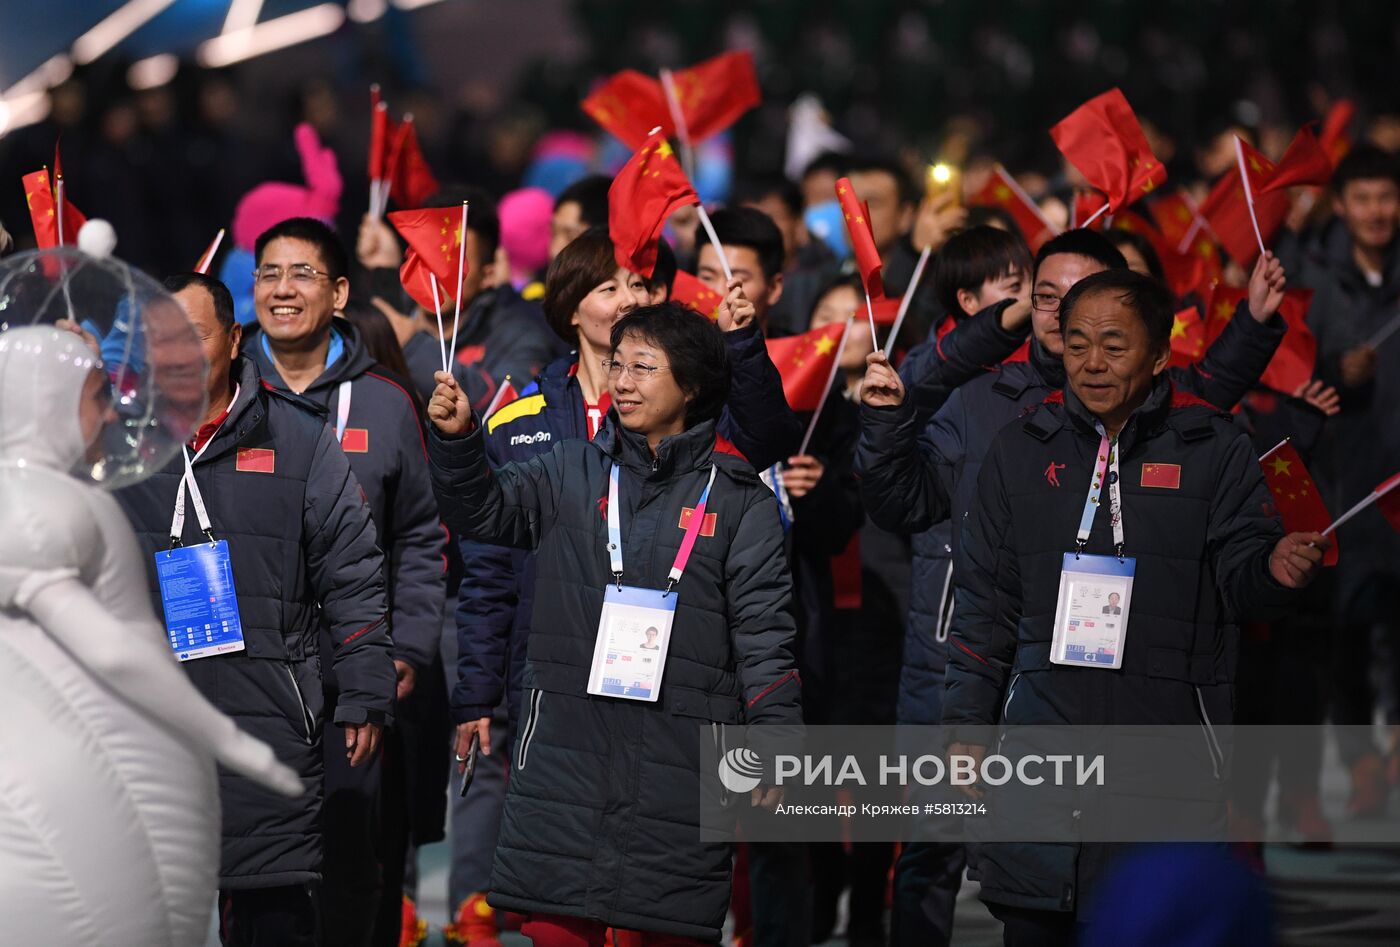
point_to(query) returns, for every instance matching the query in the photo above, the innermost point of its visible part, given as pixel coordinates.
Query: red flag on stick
(1335, 138)
(689, 291)
(1001, 190)
(1102, 138)
(504, 396)
(648, 190)
(1227, 212)
(805, 362)
(1388, 499)
(411, 181)
(1088, 208)
(1296, 359)
(43, 212)
(1188, 338)
(1303, 163)
(712, 96)
(1296, 495)
(432, 234)
(857, 216)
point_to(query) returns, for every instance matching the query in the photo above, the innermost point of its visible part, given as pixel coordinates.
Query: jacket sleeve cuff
(355, 715)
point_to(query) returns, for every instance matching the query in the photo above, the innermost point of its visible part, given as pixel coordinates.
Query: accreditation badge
(634, 633)
(201, 609)
(1091, 613)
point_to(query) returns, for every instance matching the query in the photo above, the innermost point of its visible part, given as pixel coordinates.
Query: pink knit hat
(269, 204)
(525, 215)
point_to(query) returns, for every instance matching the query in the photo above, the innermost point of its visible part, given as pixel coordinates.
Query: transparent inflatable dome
(140, 370)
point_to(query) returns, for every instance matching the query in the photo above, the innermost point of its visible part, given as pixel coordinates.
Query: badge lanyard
(692, 530)
(342, 410)
(177, 522)
(1105, 468)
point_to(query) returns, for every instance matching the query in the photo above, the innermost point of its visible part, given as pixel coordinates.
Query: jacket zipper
(1010, 693)
(1217, 756)
(532, 719)
(945, 607)
(301, 702)
(717, 734)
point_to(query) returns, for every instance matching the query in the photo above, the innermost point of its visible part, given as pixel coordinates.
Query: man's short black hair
(974, 256)
(312, 231)
(829, 162)
(751, 228)
(908, 193)
(694, 346)
(1131, 238)
(591, 195)
(1147, 297)
(1081, 242)
(1365, 162)
(482, 219)
(753, 190)
(223, 299)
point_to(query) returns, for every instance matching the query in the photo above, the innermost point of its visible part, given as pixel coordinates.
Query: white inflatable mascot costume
(109, 810)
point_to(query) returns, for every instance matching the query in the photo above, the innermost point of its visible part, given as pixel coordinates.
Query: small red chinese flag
(433, 235)
(857, 216)
(1001, 190)
(1086, 205)
(1388, 499)
(648, 189)
(1303, 163)
(1102, 138)
(1227, 212)
(43, 212)
(417, 281)
(1188, 337)
(689, 291)
(504, 396)
(411, 181)
(381, 136)
(1174, 214)
(1182, 270)
(629, 105)
(1335, 139)
(1296, 495)
(805, 363)
(714, 93)
(1296, 359)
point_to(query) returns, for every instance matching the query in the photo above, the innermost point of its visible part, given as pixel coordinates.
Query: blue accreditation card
(634, 635)
(1091, 615)
(201, 609)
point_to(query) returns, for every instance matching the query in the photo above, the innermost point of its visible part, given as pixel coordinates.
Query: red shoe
(1368, 787)
(413, 930)
(1303, 813)
(475, 924)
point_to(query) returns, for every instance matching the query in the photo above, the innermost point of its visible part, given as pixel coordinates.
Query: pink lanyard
(692, 531)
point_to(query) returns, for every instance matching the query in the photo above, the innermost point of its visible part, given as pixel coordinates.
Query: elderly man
(1120, 475)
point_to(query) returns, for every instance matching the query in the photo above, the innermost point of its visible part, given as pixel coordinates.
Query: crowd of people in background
(421, 561)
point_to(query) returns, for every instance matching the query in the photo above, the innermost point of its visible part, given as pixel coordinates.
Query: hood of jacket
(42, 372)
(693, 449)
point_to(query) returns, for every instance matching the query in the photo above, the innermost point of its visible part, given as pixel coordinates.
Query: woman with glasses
(586, 294)
(654, 523)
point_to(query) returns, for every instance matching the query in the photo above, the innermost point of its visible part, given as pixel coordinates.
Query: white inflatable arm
(136, 664)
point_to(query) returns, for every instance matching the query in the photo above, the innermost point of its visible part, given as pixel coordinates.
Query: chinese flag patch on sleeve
(707, 527)
(1163, 476)
(256, 460)
(355, 441)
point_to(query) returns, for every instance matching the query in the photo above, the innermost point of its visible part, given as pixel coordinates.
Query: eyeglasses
(638, 371)
(1045, 302)
(302, 274)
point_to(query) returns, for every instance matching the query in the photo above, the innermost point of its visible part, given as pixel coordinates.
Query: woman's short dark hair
(574, 273)
(1147, 297)
(1131, 238)
(695, 347)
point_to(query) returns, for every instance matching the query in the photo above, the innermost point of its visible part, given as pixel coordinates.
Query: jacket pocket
(308, 722)
(527, 732)
(1217, 756)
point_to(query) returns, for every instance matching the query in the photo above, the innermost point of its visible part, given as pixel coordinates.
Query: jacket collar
(690, 450)
(1336, 246)
(1148, 417)
(353, 362)
(1050, 369)
(246, 412)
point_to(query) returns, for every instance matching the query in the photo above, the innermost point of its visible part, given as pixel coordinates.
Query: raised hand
(735, 311)
(882, 387)
(449, 409)
(1297, 558)
(1266, 286)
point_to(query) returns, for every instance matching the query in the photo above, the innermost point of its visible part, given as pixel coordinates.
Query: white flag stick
(461, 274)
(1095, 216)
(1025, 198)
(212, 252)
(673, 102)
(830, 380)
(1384, 332)
(1185, 244)
(870, 311)
(437, 311)
(908, 298)
(58, 206)
(1370, 498)
(1248, 194)
(714, 241)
